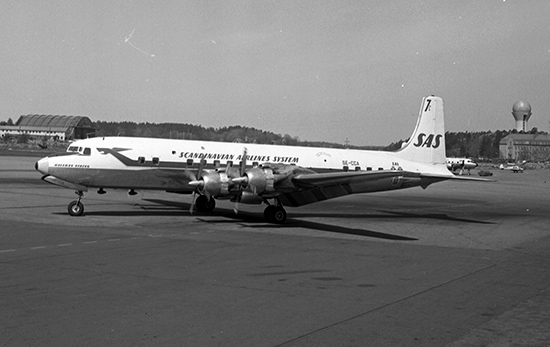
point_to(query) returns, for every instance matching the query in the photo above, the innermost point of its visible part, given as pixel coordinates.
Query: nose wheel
(76, 208)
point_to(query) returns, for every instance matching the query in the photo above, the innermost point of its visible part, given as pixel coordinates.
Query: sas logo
(429, 141)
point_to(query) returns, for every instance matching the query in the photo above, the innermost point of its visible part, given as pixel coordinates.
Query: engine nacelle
(259, 180)
(215, 183)
(250, 198)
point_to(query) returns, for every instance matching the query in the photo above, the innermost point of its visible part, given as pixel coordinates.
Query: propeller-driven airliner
(275, 175)
(454, 164)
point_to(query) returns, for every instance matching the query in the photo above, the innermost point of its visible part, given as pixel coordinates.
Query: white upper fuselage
(166, 153)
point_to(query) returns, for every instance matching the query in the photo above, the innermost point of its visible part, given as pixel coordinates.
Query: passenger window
(87, 151)
(369, 168)
(357, 168)
(380, 169)
(141, 160)
(155, 161)
(346, 168)
(189, 162)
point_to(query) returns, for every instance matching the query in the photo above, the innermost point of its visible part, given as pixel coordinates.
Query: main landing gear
(275, 213)
(205, 204)
(272, 213)
(76, 208)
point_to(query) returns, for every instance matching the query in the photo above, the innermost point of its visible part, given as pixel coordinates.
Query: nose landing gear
(76, 208)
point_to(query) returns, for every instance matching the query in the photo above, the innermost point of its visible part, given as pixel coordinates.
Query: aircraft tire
(268, 213)
(205, 204)
(75, 208)
(278, 216)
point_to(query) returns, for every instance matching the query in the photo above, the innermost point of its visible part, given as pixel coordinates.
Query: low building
(531, 147)
(63, 128)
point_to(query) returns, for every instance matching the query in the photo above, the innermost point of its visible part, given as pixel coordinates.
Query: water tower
(521, 112)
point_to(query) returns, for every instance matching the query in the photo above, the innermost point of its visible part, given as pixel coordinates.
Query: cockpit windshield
(79, 150)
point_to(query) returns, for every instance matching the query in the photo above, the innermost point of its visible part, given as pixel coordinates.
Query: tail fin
(427, 143)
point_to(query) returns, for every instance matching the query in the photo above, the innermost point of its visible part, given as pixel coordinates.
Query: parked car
(485, 173)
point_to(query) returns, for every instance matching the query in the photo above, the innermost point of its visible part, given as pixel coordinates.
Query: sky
(327, 70)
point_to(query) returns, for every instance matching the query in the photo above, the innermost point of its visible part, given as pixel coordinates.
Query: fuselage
(460, 163)
(149, 163)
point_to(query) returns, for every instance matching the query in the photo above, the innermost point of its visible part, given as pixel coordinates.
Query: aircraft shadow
(251, 219)
(257, 220)
(247, 219)
(393, 215)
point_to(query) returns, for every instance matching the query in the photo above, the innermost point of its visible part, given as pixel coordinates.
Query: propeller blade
(192, 207)
(202, 163)
(240, 180)
(197, 182)
(243, 162)
(236, 208)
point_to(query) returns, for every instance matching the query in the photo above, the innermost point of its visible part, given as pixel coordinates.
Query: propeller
(240, 180)
(196, 183)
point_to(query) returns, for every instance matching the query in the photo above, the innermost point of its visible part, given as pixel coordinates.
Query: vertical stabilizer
(427, 143)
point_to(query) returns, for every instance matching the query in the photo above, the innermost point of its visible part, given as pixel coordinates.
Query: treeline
(197, 132)
(482, 145)
(459, 144)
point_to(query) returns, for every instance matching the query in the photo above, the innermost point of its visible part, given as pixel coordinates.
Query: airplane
(515, 168)
(454, 164)
(251, 173)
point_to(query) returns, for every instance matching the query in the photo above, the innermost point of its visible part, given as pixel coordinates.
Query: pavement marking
(34, 248)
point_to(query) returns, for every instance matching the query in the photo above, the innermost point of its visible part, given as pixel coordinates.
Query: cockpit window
(72, 149)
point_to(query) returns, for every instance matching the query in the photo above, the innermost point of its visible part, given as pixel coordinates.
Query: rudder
(427, 143)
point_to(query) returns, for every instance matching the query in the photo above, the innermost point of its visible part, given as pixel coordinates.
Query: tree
(23, 139)
(6, 137)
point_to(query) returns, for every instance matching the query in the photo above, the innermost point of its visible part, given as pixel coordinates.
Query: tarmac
(456, 264)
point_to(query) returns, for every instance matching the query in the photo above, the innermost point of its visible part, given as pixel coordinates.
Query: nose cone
(42, 166)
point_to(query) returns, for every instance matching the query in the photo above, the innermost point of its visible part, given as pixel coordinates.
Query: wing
(315, 187)
(323, 186)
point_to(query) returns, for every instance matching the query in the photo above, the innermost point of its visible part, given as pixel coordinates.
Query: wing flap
(455, 177)
(319, 187)
(344, 177)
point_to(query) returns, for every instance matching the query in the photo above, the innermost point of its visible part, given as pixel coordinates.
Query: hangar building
(64, 128)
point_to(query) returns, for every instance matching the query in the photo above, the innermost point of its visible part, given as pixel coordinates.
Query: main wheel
(278, 215)
(75, 208)
(268, 213)
(204, 204)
